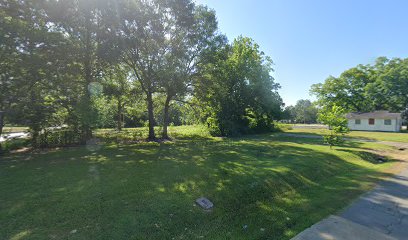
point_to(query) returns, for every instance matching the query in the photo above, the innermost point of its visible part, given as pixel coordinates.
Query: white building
(375, 121)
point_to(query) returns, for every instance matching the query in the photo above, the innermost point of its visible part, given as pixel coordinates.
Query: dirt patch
(398, 145)
(401, 158)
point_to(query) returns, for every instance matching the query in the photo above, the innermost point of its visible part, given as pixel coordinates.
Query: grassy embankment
(263, 186)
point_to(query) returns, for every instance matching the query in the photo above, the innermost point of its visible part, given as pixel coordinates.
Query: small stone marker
(205, 203)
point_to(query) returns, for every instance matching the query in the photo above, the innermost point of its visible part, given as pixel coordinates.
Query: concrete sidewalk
(379, 214)
(335, 228)
(384, 209)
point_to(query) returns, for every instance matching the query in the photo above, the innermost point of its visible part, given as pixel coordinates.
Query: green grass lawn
(13, 129)
(379, 136)
(196, 132)
(263, 187)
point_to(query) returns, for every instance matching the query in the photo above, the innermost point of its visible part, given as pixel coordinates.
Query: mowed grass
(195, 132)
(263, 187)
(379, 136)
(13, 129)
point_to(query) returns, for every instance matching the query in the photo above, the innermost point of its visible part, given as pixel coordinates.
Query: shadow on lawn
(371, 157)
(318, 140)
(275, 189)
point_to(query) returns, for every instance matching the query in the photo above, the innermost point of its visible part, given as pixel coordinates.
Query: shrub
(282, 126)
(260, 124)
(213, 126)
(14, 144)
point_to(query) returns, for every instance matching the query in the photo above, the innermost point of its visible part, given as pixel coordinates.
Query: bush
(260, 124)
(250, 124)
(213, 127)
(282, 126)
(14, 144)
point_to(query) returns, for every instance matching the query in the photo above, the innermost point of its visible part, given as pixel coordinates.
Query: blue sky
(309, 40)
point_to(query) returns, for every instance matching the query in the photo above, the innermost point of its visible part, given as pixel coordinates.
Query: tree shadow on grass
(348, 142)
(371, 157)
(148, 191)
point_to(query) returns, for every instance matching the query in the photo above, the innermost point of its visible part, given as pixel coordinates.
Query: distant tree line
(303, 112)
(115, 63)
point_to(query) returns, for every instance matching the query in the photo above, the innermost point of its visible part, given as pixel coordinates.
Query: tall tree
(389, 89)
(237, 89)
(380, 86)
(29, 76)
(81, 22)
(140, 31)
(153, 34)
(188, 42)
(348, 90)
(11, 30)
(117, 86)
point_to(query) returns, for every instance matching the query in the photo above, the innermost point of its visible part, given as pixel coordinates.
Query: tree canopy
(93, 63)
(237, 89)
(379, 86)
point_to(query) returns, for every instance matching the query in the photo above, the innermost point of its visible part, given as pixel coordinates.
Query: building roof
(375, 114)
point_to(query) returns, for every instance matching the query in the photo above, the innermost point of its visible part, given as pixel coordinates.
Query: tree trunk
(1, 122)
(1, 127)
(35, 137)
(87, 114)
(166, 117)
(149, 99)
(120, 115)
